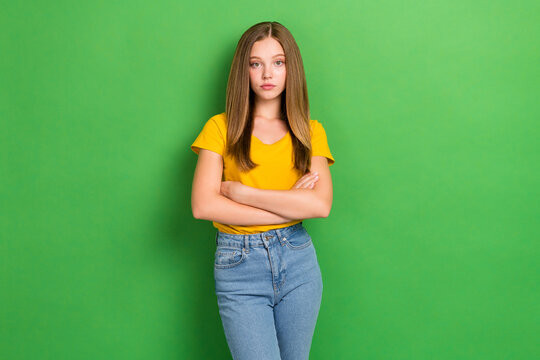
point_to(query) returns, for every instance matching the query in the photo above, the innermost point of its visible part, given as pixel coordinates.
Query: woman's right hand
(307, 181)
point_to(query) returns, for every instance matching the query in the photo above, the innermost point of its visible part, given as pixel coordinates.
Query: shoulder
(220, 119)
(219, 122)
(316, 127)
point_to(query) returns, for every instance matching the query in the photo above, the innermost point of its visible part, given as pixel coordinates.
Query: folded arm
(294, 203)
(208, 204)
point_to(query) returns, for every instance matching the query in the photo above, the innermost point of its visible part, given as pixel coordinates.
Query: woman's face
(267, 66)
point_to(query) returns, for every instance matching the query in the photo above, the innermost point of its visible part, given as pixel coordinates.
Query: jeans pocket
(298, 240)
(226, 258)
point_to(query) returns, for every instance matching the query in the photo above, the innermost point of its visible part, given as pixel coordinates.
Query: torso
(269, 131)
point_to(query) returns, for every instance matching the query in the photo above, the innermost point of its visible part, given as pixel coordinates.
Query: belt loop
(246, 243)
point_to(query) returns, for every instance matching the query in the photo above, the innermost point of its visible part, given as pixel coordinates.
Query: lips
(268, 86)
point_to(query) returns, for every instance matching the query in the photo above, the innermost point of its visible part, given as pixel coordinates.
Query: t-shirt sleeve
(211, 138)
(319, 143)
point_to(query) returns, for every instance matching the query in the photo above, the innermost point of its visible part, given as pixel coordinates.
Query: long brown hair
(240, 98)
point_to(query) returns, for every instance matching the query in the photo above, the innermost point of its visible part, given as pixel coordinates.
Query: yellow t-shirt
(275, 170)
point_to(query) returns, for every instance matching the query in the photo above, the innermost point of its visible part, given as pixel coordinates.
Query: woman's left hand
(232, 189)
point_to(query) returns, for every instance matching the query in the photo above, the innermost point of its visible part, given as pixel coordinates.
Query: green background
(431, 111)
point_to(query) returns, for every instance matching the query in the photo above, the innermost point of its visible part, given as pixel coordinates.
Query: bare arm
(208, 204)
(295, 203)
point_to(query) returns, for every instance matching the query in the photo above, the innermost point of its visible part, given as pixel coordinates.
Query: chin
(268, 96)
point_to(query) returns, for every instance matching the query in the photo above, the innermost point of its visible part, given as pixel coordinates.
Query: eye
(281, 61)
(253, 64)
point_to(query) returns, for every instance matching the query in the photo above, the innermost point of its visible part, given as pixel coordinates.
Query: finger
(302, 184)
(307, 182)
(304, 181)
(312, 182)
(311, 176)
(297, 185)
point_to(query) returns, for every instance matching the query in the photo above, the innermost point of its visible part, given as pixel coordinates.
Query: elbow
(325, 209)
(325, 212)
(202, 206)
(198, 211)
(197, 214)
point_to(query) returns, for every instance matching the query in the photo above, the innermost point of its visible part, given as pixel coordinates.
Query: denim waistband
(248, 240)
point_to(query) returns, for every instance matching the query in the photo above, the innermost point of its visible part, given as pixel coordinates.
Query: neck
(270, 109)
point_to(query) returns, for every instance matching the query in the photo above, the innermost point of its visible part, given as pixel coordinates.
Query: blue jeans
(269, 289)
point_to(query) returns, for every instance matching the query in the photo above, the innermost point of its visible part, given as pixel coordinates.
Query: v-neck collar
(274, 143)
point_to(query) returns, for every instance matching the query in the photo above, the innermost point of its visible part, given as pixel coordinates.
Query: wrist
(244, 194)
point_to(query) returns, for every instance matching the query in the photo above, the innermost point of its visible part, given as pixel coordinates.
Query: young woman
(263, 167)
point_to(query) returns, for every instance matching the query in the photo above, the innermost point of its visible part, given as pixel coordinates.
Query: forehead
(266, 48)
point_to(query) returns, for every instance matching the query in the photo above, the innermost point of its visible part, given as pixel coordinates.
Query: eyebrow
(256, 57)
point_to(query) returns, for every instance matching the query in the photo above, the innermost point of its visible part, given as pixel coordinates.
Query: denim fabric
(269, 289)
